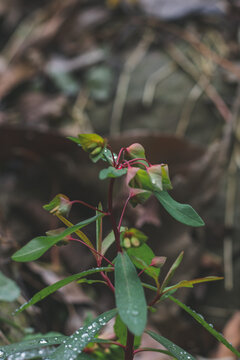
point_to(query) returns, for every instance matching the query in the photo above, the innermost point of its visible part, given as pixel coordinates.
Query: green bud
(126, 243)
(92, 146)
(135, 241)
(96, 151)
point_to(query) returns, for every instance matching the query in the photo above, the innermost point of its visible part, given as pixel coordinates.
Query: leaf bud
(96, 151)
(127, 243)
(135, 241)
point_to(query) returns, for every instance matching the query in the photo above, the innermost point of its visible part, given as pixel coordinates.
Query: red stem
(112, 218)
(92, 249)
(129, 349)
(139, 159)
(120, 154)
(88, 205)
(123, 211)
(106, 278)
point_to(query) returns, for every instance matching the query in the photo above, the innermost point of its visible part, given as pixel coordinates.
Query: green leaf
(209, 327)
(159, 177)
(109, 240)
(58, 285)
(23, 346)
(99, 233)
(182, 212)
(60, 204)
(91, 143)
(120, 330)
(172, 270)
(108, 156)
(174, 350)
(9, 291)
(190, 283)
(130, 298)
(111, 172)
(80, 339)
(39, 245)
(142, 257)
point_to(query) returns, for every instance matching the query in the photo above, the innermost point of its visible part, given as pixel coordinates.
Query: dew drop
(42, 341)
(211, 325)
(135, 312)
(2, 353)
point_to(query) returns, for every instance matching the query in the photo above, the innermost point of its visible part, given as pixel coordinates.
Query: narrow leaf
(182, 212)
(75, 344)
(109, 240)
(209, 327)
(174, 349)
(172, 270)
(190, 283)
(58, 285)
(43, 341)
(111, 172)
(99, 233)
(130, 298)
(39, 245)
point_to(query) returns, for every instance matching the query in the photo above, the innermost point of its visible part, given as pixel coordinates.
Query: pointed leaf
(209, 327)
(190, 283)
(172, 270)
(58, 285)
(130, 298)
(75, 344)
(182, 212)
(111, 172)
(174, 350)
(39, 245)
(9, 291)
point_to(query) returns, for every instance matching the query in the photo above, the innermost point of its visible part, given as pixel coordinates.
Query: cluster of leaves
(133, 257)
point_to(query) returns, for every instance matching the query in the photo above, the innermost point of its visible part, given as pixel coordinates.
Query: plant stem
(123, 211)
(112, 218)
(129, 350)
(89, 206)
(92, 249)
(106, 278)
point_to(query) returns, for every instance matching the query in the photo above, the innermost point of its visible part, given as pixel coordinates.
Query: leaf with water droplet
(199, 318)
(173, 349)
(130, 297)
(72, 347)
(26, 345)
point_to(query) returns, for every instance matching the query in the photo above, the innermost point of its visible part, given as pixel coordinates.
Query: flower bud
(135, 241)
(126, 243)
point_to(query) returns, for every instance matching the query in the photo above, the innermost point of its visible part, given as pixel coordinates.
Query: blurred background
(164, 73)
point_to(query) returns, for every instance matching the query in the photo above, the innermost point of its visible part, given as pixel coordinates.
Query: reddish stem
(129, 349)
(112, 218)
(139, 159)
(92, 249)
(88, 205)
(106, 278)
(119, 155)
(123, 211)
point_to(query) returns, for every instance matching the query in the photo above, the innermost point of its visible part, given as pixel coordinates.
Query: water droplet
(43, 341)
(2, 353)
(135, 312)
(211, 325)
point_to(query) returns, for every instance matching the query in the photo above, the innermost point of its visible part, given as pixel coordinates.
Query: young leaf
(174, 350)
(129, 294)
(9, 291)
(209, 327)
(190, 283)
(135, 151)
(142, 257)
(58, 285)
(172, 270)
(91, 143)
(111, 172)
(60, 204)
(75, 344)
(39, 245)
(182, 212)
